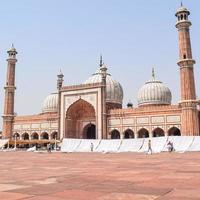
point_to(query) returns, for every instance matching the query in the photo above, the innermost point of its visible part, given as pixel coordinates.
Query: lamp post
(15, 146)
(103, 70)
(55, 141)
(59, 86)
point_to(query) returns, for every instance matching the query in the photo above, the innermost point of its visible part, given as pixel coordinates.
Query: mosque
(93, 110)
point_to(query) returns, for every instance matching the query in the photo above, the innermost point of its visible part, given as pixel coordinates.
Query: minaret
(103, 70)
(8, 116)
(189, 121)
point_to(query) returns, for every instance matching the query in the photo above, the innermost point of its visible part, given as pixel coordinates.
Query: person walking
(149, 148)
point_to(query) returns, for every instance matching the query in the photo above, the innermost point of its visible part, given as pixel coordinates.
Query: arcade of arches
(144, 133)
(35, 136)
(78, 113)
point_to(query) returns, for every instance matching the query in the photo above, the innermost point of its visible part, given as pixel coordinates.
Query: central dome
(154, 92)
(114, 91)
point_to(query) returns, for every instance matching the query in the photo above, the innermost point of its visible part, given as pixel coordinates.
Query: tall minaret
(189, 121)
(8, 116)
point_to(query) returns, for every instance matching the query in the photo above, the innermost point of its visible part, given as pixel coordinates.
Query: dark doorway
(25, 136)
(158, 132)
(174, 132)
(128, 134)
(143, 133)
(91, 132)
(115, 134)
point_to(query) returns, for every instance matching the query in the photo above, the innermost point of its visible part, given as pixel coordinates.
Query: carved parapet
(8, 118)
(183, 24)
(189, 104)
(10, 88)
(81, 86)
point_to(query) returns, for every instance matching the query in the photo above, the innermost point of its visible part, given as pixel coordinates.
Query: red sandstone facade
(84, 111)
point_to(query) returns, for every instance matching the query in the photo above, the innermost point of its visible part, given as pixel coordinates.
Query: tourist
(91, 147)
(170, 146)
(49, 147)
(149, 147)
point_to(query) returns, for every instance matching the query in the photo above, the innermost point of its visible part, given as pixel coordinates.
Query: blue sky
(132, 35)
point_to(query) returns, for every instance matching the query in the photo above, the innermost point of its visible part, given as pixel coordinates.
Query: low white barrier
(131, 145)
(157, 144)
(180, 143)
(195, 146)
(70, 145)
(88, 145)
(109, 145)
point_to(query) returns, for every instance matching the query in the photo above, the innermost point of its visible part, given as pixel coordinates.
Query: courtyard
(97, 176)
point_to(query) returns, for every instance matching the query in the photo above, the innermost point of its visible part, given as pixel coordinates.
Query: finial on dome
(153, 73)
(61, 71)
(101, 60)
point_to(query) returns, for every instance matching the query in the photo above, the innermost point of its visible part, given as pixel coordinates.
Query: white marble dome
(154, 92)
(114, 91)
(50, 104)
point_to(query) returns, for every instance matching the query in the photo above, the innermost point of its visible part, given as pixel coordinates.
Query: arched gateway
(78, 114)
(89, 131)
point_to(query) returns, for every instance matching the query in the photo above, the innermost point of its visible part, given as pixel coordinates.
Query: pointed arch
(54, 135)
(89, 131)
(16, 135)
(143, 133)
(78, 112)
(80, 109)
(25, 136)
(158, 132)
(128, 133)
(174, 131)
(44, 136)
(34, 136)
(115, 134)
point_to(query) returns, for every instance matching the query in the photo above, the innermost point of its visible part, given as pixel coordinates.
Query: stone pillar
(189, 118)
(8, 116)
(103, 69)
(59, 86)
(150, 134)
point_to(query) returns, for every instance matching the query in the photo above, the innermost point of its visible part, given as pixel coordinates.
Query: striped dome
(154, 92)
(50, 103)
(114, 91)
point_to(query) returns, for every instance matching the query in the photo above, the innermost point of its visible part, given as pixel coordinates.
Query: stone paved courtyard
(95, 176)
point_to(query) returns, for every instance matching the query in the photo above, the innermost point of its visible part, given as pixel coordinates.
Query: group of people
(170, 147)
